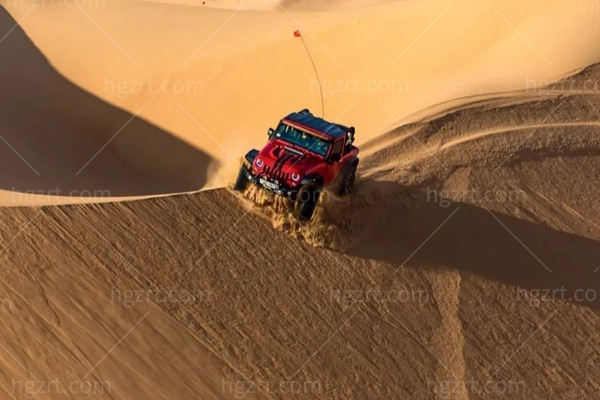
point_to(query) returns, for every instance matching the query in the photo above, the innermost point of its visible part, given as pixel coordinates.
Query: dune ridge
(63, 144)
(200, 63)
(436, 297)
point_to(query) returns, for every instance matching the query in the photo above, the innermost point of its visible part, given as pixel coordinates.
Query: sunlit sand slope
(217, 79)
(64, 144)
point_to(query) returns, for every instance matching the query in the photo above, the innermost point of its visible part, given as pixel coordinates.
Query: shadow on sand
(50, 129)
(524, 254)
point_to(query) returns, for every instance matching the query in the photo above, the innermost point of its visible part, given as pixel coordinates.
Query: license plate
(268, 184)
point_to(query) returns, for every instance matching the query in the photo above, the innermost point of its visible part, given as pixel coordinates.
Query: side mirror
(271, 132)
(351, 133)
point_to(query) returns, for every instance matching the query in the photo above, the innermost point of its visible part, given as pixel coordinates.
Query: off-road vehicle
(303, 155)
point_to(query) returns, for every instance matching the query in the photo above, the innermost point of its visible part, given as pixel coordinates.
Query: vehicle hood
(282, 158)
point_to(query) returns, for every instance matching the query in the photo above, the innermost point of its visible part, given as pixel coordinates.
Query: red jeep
(304, 154)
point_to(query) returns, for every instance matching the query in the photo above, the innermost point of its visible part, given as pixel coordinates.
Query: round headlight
(295, 177)
(259, 162)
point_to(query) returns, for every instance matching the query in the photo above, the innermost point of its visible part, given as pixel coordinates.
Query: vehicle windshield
(300, 138)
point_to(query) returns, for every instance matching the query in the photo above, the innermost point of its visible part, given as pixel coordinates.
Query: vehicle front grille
(278, 174)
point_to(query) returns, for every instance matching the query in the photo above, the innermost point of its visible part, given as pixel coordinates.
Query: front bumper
(271, 185)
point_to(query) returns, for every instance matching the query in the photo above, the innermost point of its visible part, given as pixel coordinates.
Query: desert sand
(465, 266)
(216, 78)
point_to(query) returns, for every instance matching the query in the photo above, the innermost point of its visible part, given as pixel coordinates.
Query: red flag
(297, 33)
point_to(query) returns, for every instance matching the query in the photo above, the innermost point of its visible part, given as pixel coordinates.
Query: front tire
(347, 182)
(306, 202)
(241, 183)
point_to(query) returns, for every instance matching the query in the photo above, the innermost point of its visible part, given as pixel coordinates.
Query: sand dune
(64, 144)
(199, 72)
(464, 267)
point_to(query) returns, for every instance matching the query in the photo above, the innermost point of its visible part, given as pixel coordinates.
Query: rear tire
(306, 202)
(241, 183)
(347, 181)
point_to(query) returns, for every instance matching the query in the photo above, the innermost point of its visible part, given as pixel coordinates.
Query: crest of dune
(217, 79)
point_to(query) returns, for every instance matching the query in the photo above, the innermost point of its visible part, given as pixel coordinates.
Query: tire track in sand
(448, 339)
(431, 150)
(506, 129)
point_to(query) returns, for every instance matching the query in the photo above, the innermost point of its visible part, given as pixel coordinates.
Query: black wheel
(241, 183)
(306, 202)
(347, 180)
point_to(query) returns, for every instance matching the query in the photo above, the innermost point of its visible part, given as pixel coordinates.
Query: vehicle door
(334, 161)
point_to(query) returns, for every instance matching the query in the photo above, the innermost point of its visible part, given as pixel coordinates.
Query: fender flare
(353, 163)
(313, 179)
(251, 155)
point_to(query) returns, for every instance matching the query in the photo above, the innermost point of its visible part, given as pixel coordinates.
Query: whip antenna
(298, 35)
